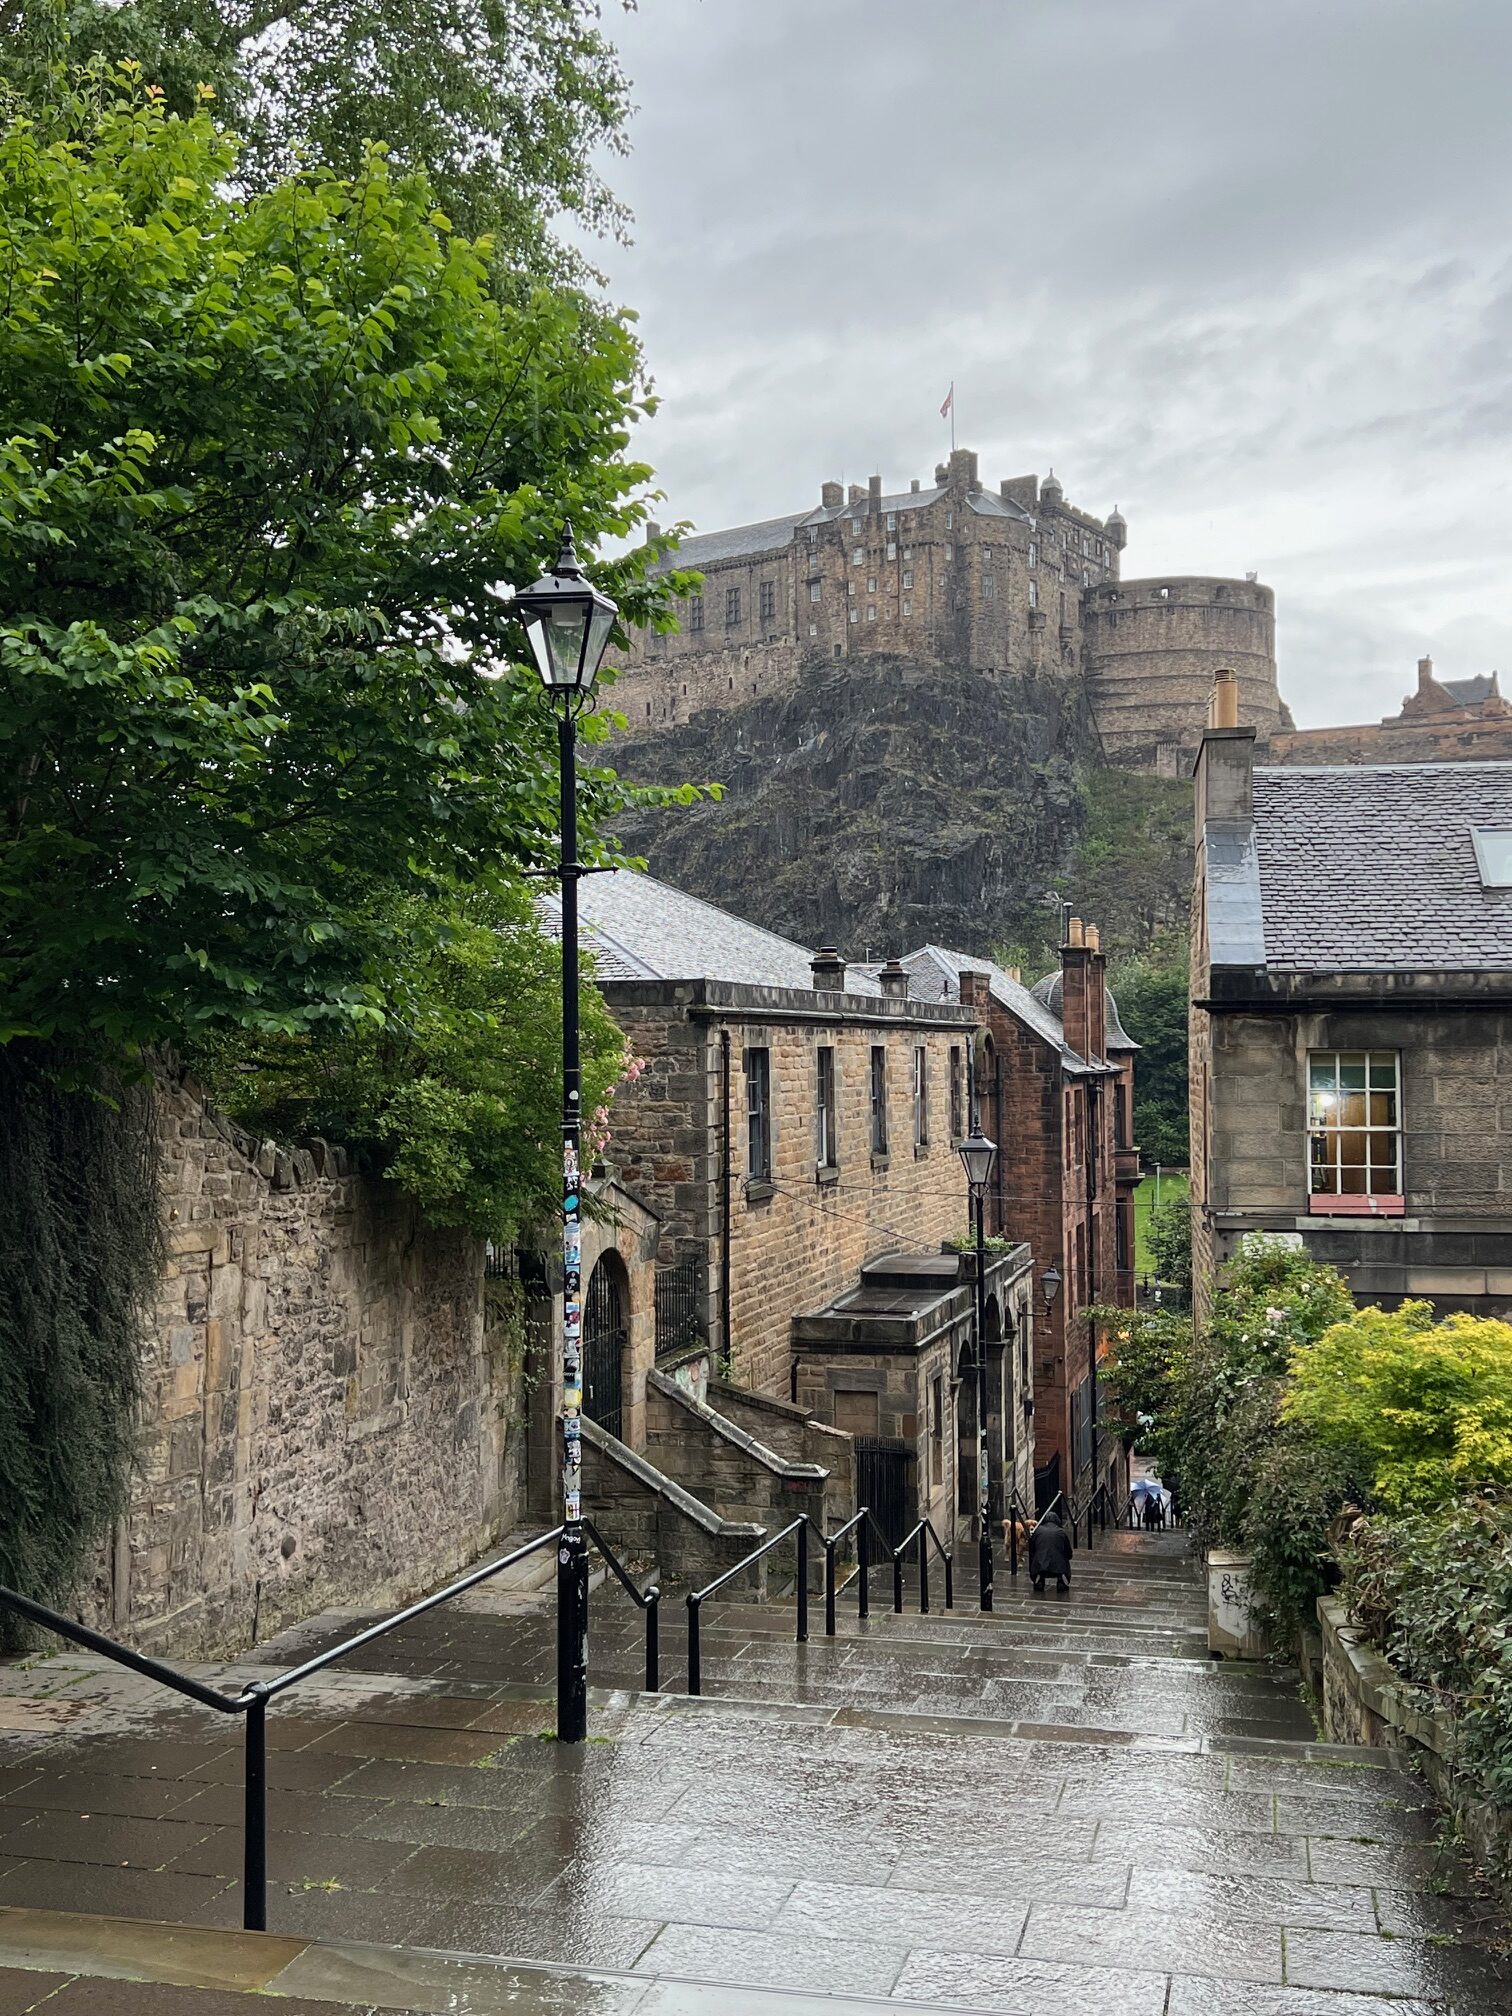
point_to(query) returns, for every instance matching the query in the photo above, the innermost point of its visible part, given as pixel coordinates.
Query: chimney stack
(874, 495)
(1097, 995)
(653, 532)
(829, 971)
(1425, 674)
(857, 494)
(831, 496)
(914, 485)
(1076, 965)
(893, 980)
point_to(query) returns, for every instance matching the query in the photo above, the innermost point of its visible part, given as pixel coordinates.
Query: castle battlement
(997, 581)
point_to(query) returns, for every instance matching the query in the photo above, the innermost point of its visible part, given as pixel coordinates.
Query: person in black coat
(1050, 1553)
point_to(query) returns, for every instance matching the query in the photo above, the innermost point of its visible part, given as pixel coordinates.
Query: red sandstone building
(1055, 1086)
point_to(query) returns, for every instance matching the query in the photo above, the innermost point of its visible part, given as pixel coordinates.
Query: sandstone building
(1444, 721)
(1000, 581)
(1351, 1021)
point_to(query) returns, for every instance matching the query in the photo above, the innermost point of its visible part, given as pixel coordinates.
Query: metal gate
(604, 1340)
(884, 1481)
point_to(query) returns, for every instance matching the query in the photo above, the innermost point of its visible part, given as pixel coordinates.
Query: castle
(1007, 581)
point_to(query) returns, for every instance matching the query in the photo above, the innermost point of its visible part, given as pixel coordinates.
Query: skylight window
(1493, 854)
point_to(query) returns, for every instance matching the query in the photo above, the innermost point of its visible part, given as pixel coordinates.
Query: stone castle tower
(999, 581)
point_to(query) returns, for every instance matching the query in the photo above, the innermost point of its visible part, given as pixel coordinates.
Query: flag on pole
(949, 404)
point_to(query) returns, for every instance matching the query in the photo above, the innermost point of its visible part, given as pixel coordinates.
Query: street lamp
(1050, 1282)
(568, 625)
(977, 1157)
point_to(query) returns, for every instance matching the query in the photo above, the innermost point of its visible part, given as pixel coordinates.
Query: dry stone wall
(327, 1419)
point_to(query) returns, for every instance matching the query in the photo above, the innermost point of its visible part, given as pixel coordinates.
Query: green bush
(1434, 1592)
(1428, 1405)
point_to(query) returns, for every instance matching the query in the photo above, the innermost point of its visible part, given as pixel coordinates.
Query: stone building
(1055, 1085)
(1444, 721)
(1009, 580)
(1351, 1021)
(794, 1133)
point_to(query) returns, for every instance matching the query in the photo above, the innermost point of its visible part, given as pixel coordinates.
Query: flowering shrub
(596, 1132)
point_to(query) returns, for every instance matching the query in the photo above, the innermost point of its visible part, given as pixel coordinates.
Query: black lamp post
(977, 1157)
(568, 625)
(1050, 1282)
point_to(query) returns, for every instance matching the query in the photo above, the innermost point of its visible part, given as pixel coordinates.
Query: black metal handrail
(252, 1701)
(647, 1599)
(923, 1533)
(696, 1597)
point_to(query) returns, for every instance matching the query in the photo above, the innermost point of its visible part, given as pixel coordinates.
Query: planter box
(1231, 1626)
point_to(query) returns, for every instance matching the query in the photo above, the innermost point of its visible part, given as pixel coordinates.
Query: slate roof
(640, 929)
(1049, 990)
(935, 975)
(1470, 692)
(1373, 869)
(772, 535)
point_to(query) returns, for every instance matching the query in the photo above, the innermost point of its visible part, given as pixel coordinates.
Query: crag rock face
(877, 805)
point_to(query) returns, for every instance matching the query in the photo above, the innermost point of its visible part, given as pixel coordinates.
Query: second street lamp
(568, 625)
(977, 1157)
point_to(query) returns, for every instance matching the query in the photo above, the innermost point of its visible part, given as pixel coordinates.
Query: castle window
(950, 521)
(892, 521)
(1163, 594)
(850, 587)
(908, 580)
(648, 710)
(855, 614)
(989, 588)
(858, 556)
(696, 614)
(732, 608)
(814, 591)
(813, 532)
(768, 601)
(1033, 554)
(871, 584)
(1034, 594)
(908, 608)
(813, 629)
(892, 549)
(1086, 577)
(908, 552)
(871, 612)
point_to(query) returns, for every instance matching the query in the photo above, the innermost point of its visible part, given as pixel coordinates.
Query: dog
(1017, 1530)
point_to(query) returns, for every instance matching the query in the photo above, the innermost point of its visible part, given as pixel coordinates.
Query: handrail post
(803, 1582)
(1091, 1508)
(923, 1572)
(949, 1583)
(255, 1812)
(863, 1559)
(695, 1672)
(829, 1588)
(1013, 1534)
(1102, 1511)
(653, 1641)
(898, 1581)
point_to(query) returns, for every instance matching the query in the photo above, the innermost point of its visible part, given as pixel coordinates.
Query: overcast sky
(1241, 267)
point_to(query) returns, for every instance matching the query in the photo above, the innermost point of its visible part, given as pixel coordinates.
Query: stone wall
(648, 1518)
(1463, 740)
(326, 1420)
(1152, 648)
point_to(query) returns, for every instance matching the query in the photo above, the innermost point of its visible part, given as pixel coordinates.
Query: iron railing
(679, 1306)
(920, 1538)
(252, 1702)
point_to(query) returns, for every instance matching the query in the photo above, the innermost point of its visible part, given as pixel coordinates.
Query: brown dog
(1018, 1529)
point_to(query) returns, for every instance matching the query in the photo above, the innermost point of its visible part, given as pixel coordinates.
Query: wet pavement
(1062, 1807)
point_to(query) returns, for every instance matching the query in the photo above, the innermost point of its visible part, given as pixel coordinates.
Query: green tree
(1426, 1407)
(1149, 1351)
(507, 104)
(1151, 991)
(1170, 1241)
(263, 464)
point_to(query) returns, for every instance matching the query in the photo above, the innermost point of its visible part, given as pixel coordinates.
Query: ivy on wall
(80, 1254)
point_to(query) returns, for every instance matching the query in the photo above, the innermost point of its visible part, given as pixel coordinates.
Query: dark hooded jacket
(1050, 1548)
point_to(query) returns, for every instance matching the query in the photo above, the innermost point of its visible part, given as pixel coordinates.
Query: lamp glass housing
(977, 1157)
(1050, 1282)
(567, 623)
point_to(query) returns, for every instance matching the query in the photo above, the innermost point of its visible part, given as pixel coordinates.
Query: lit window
(1493, 855)
(1354, 1123)
(758, 1077)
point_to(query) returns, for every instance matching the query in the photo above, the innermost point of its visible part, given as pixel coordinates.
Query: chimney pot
(829, 971)
(1094, 938)
(1075, 933)
(1225, 699)
(893, 980)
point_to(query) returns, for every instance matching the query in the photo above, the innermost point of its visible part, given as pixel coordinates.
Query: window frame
(826, 1110)
(757, 1064)
(1381, 1174)
(732, 609)
(768, 602)
(921, 1097)
(695, 615)
(957, 1093)
(877, 1089)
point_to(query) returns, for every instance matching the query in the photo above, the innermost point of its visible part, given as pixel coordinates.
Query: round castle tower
(1151, 649)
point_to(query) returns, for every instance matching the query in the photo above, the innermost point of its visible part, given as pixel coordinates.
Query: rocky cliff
(882, 804)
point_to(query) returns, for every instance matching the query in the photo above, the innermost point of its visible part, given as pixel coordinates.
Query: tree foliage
(263, 463)
(506, 104)
(1170, 1241)
(1151, 990)
(1427, 1406)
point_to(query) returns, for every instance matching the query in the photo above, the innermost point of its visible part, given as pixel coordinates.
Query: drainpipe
(724, 1202)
